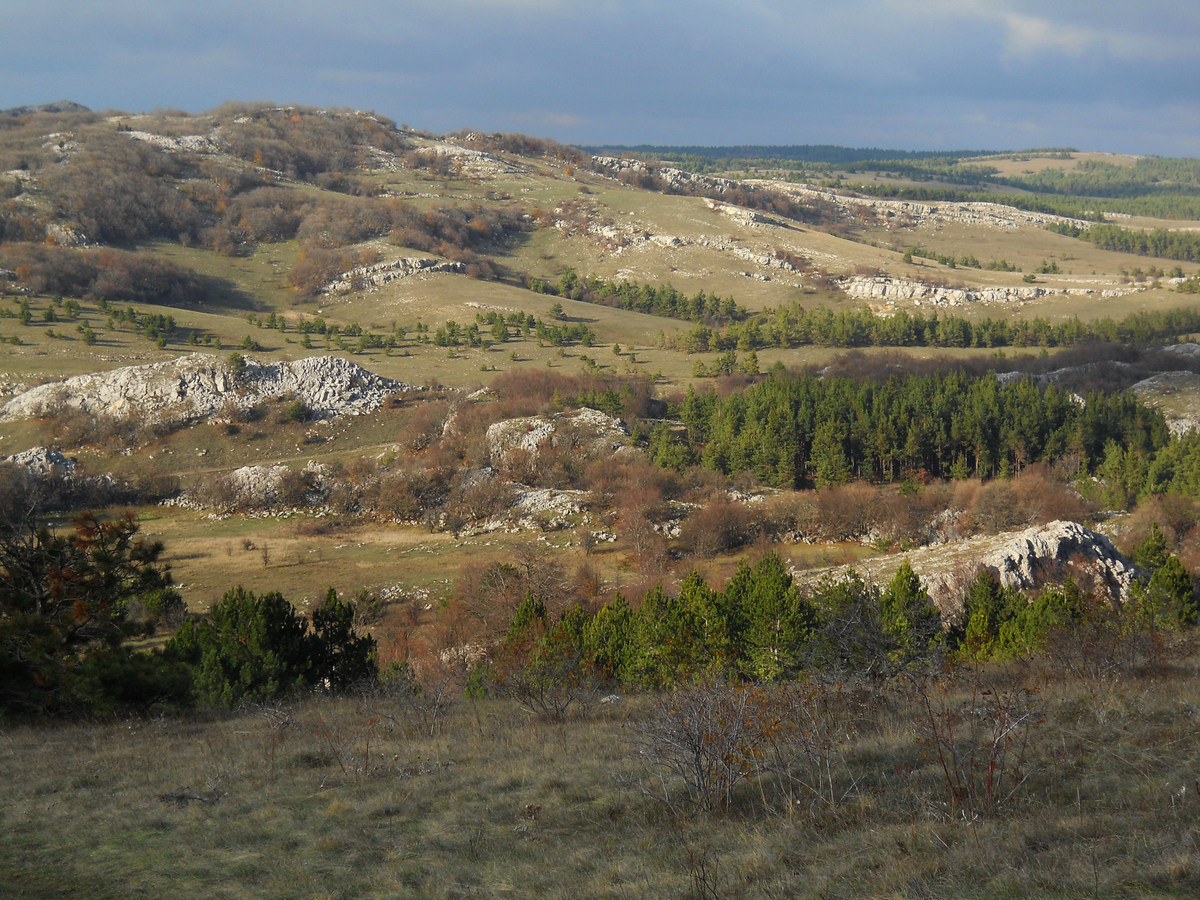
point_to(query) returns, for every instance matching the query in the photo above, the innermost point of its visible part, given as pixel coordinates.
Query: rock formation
(194, 388)
(588, 430)
(1024, 560)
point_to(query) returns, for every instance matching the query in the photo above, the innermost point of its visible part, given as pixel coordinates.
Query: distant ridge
(59, 106)
(830, 153)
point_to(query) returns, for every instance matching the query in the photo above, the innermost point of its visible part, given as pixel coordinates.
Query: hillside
(869, 478)
(286, 233)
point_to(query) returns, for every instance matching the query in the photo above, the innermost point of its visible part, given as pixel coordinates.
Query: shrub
(717, 528)
(701, 741)
(256, 648)
(544, 666)
(980, 734)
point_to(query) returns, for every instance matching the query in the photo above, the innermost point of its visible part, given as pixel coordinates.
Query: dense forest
(808, 430)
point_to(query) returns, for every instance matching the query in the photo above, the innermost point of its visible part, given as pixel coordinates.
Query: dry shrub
(696, 484)
(587, 586)
(407, 493)
(981, 729)
(627, 480)
(480, 499)
(1047, 498)
(1189, 550)
(519, 465)
(847, 512)
(997, 508)
(564, 466)
(904, 518)
(717, 528)
(487, 594)
(317, 527)
(700, 742)
(794, 516)
(1175, 516)
(425, 424)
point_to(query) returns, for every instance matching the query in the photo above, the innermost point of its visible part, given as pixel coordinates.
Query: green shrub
(256, 648)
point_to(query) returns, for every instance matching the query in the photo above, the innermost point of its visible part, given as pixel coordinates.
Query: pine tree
(777, 621)
(909, 617)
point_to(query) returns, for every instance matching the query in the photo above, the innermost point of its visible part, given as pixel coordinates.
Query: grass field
(381, 797)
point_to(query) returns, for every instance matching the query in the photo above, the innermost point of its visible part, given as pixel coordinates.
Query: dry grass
(350, 799)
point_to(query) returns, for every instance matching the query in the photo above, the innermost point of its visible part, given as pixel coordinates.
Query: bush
(702, 741)
(256, 648)
(544, 666)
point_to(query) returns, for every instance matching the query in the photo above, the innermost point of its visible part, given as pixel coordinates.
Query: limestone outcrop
(202, 386)
(43, 462)
(365, 277)
(587, 430)
(1024, 560)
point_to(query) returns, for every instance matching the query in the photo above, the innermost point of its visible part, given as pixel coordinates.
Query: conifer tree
(909, 617)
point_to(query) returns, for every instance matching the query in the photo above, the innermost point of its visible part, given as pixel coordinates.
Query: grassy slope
(305, 810)
(350, 799)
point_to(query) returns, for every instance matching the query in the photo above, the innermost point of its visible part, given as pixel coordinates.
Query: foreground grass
(370, 797)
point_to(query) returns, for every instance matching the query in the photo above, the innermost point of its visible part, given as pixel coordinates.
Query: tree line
(1160, 242)
(723, 324)
(793, 325)
(661, 300)
(763, 627)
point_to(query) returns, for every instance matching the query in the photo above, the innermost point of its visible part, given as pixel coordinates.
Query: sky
(1101, 75)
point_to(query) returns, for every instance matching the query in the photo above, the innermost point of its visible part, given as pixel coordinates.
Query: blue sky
(936, 74)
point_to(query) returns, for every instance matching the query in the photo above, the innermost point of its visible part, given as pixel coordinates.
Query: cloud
(899, 73)
(1027, 36)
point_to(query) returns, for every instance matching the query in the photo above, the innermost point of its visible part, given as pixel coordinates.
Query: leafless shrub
(795, 515)
(480, 499)
(980, 731)
(701, 741)
(847, 512)
(717, 528)
(426, 424)
(808, 749)
(417, 703)
(997, 508)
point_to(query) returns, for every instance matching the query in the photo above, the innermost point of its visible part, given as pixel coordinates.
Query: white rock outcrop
(887, 289)
(202, 386)
(43, 462)
(1024, 560)
(588, 430)
(364, 277)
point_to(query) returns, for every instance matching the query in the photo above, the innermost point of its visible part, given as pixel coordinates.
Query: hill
(874, 471)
